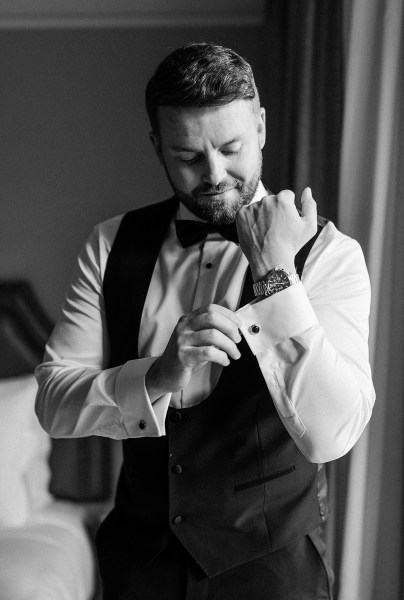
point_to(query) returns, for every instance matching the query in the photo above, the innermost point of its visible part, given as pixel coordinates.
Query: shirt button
(176, 469)
(176, 416)
(178, 519)
(209, 265)
(253, 329)
(142, 424)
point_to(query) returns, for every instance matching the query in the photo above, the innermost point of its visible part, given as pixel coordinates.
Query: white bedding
(48, 558)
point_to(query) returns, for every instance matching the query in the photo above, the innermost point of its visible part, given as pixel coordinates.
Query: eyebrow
(182, 148)
(178, 148)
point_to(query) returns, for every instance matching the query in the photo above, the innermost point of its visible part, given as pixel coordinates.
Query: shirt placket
(206, 283)
(199, 386)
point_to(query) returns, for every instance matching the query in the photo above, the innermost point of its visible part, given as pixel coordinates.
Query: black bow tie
(192, 232)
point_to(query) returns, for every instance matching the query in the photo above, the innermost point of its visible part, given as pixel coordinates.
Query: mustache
(223, 186)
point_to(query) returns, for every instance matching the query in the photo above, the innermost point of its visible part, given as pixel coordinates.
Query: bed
(46, 552)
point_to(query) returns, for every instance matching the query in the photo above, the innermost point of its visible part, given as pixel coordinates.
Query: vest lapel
(128, 273)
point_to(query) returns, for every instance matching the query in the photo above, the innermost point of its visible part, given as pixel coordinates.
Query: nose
(214, 170)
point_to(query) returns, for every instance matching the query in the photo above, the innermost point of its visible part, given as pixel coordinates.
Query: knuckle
(210, 335)
(207, 352)
(210, 317)
(286, 196)
(179, 345)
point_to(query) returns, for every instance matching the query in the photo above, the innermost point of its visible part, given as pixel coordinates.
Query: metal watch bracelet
(268, 287)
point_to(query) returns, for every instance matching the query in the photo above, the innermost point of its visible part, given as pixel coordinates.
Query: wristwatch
(276, 280)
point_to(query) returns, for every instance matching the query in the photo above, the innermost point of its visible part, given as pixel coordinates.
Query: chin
(219, 209)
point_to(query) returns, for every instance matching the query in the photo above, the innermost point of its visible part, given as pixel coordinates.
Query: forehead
(218, 123)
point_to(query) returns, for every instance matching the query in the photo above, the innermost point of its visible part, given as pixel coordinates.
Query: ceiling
(136, 13)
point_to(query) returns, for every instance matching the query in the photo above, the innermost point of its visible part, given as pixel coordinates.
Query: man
(228, 396)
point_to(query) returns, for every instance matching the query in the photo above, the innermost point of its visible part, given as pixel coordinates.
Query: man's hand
(271, 231)
(208, 334)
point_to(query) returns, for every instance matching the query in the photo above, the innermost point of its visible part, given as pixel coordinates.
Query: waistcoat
(227, 479)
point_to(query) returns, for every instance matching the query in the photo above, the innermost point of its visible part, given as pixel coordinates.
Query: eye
(231, 150)
(190, 161)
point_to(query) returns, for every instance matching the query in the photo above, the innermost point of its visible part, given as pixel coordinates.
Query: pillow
(24, 450)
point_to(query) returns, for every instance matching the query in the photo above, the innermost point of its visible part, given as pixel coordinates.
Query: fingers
(215, 338)
(286, 196)
(309, 206)
(211, 327)
(200, 355)
(223, 320)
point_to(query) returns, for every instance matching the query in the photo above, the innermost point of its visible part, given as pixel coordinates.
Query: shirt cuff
(276, 318)
(141, 418)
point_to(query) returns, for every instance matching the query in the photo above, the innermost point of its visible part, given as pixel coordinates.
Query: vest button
(178, 519)
(176, 469)
(176, 416)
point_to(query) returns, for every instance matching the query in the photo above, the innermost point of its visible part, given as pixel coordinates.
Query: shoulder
(143, 216)
(334, 255)
(99, 244)
(94, 252)
(104, 233)
(332, 240)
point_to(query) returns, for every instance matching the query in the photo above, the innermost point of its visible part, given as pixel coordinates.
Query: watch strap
(269, 286)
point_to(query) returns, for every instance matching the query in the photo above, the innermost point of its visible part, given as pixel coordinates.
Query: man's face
(212, 156)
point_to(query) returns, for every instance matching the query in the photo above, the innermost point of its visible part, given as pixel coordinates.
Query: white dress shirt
(311, 346)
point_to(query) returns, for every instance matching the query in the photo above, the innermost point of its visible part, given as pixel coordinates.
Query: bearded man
(222, 335)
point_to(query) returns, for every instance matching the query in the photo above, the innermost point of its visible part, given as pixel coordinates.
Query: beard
(219, 211)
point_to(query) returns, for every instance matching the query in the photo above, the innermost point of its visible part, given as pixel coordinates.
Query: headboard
(81, 468)
(24, 329)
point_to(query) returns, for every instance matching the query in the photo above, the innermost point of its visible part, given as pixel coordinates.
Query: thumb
(309, 207)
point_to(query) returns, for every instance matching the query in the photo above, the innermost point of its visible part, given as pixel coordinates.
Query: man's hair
(199, 74)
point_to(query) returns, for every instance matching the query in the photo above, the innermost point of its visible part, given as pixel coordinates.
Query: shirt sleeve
(78, 394)
(311, 343)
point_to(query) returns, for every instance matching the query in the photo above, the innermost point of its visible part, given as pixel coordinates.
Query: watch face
(278, 280)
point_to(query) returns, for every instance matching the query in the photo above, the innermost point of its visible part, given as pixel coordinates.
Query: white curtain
(371, 209)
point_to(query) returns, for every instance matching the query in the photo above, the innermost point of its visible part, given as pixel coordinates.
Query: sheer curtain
(371, 209)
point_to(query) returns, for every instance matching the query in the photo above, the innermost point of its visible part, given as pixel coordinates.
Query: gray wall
(74, 146)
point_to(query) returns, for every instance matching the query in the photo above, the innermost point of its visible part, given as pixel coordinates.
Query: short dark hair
(199, 74)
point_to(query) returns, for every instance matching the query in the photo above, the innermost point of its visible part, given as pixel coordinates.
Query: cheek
(184, 178)
(245, 166)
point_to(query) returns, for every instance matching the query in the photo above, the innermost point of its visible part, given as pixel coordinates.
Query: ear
(155, 140)
(262, 127)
